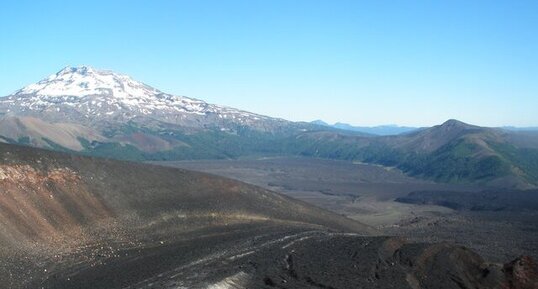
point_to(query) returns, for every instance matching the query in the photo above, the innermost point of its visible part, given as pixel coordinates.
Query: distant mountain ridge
(101, 113)
(514, 128)
(117, 116)
(390, 129)
(451, 152)
(99, 97)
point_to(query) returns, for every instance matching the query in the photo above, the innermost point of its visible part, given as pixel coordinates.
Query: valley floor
(368, 194)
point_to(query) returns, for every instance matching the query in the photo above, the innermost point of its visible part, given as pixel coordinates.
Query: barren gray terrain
(374, 195)
(68, 221)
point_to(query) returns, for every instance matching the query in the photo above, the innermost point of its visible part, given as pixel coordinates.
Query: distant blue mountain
(390, 129)
(513, 128)
(320, 122)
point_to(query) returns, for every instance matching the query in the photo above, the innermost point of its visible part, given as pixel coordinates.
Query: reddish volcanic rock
(522, 273)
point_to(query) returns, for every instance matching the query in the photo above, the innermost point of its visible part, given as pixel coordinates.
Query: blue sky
(365, 63)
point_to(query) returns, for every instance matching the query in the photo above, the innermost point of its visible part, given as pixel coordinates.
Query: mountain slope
(135, 120)
(55, 204)
(88, 96)
(101, 98)
(457, 151)
(373, 130)
(76, 222)
(451, 152)
(36, 132)
(106, 114)
(132, 190)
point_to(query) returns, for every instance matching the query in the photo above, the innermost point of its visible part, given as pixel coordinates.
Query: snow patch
(93, 92)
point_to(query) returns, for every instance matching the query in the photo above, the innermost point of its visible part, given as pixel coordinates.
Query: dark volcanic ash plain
(76, 222)
(498, 223)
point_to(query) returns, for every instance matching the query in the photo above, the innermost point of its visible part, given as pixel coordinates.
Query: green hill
(452, 152)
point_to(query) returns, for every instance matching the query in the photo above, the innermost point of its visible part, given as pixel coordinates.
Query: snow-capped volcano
(85, 80)
(87, 94)
(91, 110)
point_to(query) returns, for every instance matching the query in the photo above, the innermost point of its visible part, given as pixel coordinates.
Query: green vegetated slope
(453, 152)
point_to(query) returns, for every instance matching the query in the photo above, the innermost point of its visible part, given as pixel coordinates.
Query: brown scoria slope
(39, 133)
(76, 222)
